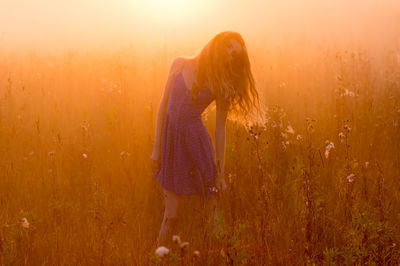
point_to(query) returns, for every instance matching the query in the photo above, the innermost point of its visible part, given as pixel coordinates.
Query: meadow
(315, 181)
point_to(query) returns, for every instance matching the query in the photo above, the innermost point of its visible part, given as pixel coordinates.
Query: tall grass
(76, 134)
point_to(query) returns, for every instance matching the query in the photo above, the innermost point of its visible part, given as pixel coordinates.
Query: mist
(45, 25)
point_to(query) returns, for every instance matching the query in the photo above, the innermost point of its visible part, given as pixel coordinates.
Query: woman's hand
(220, 183)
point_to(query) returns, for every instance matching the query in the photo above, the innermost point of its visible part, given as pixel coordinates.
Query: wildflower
(347, 128)
(284, 145)
(341, 137)
(284, 135)
(162, 251)
(330, 145)
(196, 253)
(299, 137)
(124, 154)
(24, 223)
(31, 153)
(366, 164)
(176, 239)
(84, 155)
(347, 92)
(214, 189)
(350, 178)
(184, 245)
(51, 153)
(273, 124)
(290, 130)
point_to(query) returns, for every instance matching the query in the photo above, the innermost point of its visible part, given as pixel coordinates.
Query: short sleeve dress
(188, 163)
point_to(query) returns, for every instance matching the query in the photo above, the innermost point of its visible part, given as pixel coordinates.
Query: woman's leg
(172, 201)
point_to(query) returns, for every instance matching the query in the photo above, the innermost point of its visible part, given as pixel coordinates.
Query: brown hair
(227, 75)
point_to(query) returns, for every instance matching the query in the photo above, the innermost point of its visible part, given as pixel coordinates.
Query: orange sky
(57, 24)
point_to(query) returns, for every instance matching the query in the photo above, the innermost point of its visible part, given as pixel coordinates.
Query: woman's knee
(171, 204)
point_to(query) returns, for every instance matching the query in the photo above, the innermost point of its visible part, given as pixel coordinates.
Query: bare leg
(170, 217)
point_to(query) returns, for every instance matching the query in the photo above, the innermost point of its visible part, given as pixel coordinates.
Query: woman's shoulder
(178, 63)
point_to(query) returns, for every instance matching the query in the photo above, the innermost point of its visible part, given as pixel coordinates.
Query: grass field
(316, 182)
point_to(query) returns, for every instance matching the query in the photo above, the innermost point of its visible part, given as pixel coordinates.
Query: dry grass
(76, 135)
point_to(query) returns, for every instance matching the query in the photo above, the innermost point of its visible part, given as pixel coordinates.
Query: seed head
(290, 130)
(184, 245)
(176, 239)
(162, 251)
(24, 223)
(350, 178)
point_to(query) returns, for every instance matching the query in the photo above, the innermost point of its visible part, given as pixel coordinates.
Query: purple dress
(187, 154)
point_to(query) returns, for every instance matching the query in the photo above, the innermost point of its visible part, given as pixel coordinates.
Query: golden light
(169, 12)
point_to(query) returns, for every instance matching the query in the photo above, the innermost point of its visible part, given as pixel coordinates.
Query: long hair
(227, 74)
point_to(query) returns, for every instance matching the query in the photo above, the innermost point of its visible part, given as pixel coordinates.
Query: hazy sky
(58, 24)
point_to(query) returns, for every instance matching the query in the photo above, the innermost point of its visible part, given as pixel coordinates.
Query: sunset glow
(111, 108)
(169, 12)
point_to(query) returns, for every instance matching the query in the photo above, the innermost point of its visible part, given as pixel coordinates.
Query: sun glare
(168, 12)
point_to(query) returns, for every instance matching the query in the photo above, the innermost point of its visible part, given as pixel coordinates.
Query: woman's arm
(222, 112)
(156, 155)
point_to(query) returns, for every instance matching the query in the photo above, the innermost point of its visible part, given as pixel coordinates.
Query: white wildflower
(84, 155)
(366, 164)
(284, 135)
(347, 93)
(329, 145)
(196, 253)
(184, 245)
(350, 178)
(124, 154)
(299, 137)
(162, 251)
(290, 129)
(284, 145)
(214, 189)
(176, 239)
(24, 223)
(341, 136)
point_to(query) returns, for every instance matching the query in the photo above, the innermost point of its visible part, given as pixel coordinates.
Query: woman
(183, 157)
